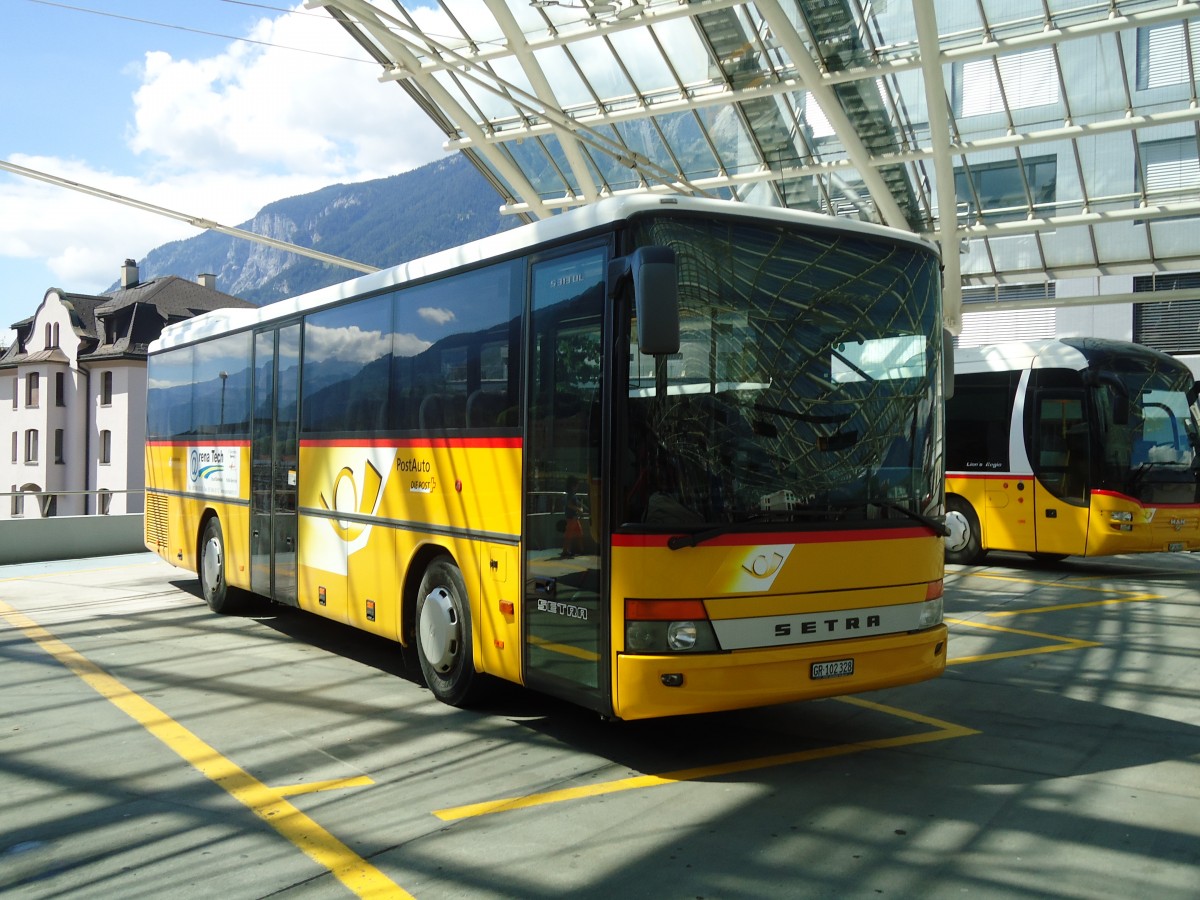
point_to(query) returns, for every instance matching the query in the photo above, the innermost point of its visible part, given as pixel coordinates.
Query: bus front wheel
(217, 593)
(965, 545)
(443, 638)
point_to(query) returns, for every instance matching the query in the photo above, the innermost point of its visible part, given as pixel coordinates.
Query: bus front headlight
(933, 609)
(681, 635)
(931, 614)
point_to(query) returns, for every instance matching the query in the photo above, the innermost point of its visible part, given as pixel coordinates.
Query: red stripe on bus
(988, 476)
(198, 442)
(486, 443)
(742, 539)
(1117, 495)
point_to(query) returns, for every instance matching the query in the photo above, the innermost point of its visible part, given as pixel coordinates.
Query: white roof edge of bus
(1011, 356)
(603, 212)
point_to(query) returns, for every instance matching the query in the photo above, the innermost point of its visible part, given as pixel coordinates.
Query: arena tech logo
(215, 471)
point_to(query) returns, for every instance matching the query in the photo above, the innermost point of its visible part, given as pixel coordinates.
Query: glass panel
(565, 618)
(169, 394)
(347, 355)
(454, 343)
(221, 392)
(805, 388)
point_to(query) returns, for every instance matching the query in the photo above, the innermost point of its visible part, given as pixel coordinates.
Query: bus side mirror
(655, 280)
(947, 364)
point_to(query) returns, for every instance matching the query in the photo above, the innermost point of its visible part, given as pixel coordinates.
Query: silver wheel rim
(441, 630)
(212, 566)
(960, 531)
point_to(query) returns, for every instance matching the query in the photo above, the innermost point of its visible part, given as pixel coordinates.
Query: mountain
(380, 223)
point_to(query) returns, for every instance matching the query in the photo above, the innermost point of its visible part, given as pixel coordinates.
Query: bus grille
(156, 522)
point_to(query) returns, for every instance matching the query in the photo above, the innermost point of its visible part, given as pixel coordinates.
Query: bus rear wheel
(965, 546)
(443, 634)
(219, 596)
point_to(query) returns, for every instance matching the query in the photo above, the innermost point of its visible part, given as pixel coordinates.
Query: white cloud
(436, 314)
(254, 107)
(347, 344)
(217, 138)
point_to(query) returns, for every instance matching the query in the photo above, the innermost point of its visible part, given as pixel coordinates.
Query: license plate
(838, 668)
(1175, 547)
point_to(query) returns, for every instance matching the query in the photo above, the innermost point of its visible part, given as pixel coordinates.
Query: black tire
(442, 634)
(969, 549)
(219, 596)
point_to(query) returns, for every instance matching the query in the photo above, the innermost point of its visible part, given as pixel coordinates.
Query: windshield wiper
(929, 522)
(679, 541)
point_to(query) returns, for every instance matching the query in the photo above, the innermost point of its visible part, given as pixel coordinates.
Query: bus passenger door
(274, 453)
(565, 621)
(1062, 464)
(1009, 512)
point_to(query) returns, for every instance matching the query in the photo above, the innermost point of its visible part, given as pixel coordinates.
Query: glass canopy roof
(1034, 139)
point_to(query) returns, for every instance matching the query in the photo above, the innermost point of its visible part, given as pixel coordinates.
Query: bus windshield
(1148, 433)
(805, 389)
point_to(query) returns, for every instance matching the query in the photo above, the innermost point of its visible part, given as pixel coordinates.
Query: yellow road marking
(1129, 597)
(564, 649)
(358, 875)
(1116, 595)
(943, 731)
(335, 784)
(1060, 643)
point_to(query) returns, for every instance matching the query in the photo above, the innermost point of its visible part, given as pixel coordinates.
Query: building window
(1170, 169)
(104, 498)
(105, 447)
(1174, 326)
(106, 388)
(1000, 192)
(1162, 54)
(58, 446)
(49, 336)
(31, 445)
(32, 389)
(60, 388)
(981, 87)
(18, 503)
(14, 443)
(16, 385)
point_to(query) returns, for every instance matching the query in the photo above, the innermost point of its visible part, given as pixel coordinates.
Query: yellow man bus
(1071, 447)
(655, 456)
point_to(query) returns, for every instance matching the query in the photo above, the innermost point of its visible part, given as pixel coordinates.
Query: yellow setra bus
(1071, 447)
(655, 456)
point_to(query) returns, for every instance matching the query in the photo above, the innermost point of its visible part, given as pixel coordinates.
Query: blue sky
(163, 103)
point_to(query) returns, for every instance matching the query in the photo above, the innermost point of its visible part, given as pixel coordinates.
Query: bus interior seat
(440, 412)
(484, 408)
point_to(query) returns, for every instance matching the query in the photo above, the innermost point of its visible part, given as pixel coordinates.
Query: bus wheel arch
(210, 567)
(441, 630)
(965, 544)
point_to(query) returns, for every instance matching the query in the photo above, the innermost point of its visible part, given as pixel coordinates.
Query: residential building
(73, 394)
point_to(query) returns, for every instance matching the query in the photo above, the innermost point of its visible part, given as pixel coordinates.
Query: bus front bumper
(681, 684)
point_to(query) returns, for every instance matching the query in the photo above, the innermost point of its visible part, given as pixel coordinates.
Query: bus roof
(1016, 355)
(1076, 353)
(525, 237)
